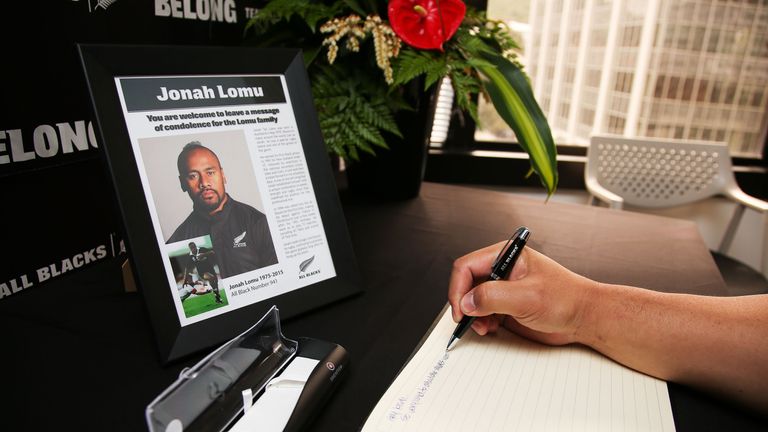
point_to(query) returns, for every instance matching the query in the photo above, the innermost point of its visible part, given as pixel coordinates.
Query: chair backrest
(657, 172)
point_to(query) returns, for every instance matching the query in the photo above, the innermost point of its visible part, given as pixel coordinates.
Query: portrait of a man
(239, 233)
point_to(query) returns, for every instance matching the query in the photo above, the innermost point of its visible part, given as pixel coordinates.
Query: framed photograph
(225, 186)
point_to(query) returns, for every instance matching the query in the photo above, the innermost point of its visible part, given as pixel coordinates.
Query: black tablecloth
(78, 352)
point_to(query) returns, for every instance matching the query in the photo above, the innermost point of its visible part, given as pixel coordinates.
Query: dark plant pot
(397, 173)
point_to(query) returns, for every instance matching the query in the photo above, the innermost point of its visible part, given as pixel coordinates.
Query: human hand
(541, 299)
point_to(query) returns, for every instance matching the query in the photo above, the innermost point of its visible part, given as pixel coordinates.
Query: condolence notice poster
(228, 189)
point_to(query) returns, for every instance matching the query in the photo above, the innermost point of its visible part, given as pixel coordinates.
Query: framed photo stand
(224, 184)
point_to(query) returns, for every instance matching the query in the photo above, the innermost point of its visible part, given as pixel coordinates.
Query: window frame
(463, 159)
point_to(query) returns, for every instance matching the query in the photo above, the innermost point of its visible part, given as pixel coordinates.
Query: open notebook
(503, 382)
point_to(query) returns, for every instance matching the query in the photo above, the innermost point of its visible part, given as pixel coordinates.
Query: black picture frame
(103, 64)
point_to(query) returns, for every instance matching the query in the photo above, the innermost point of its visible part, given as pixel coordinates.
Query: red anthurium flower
(426, 24)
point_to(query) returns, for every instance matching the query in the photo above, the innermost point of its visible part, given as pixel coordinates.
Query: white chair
(659, 173)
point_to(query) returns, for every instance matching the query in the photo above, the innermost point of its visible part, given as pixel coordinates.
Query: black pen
(499, 270)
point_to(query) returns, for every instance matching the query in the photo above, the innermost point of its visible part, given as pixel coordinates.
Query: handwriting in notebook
(402, 409)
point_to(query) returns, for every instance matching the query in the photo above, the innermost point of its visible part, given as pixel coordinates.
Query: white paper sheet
(271, 412)
(503, 382)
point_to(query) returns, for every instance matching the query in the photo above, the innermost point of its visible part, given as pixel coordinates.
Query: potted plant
(366, 60)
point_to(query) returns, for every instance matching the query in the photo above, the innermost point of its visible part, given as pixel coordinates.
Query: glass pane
(687, 69)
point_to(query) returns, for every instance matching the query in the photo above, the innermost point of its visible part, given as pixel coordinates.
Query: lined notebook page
(503, 382)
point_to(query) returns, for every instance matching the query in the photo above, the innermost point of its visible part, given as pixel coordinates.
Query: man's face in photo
(204, 179)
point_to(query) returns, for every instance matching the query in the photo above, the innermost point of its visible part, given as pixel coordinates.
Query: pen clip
(501, 252)
(504, 248)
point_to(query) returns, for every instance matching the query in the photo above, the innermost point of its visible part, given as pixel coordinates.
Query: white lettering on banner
(250, 12)
(67, 264)
(17, 148)
(14, 285)
(64, 265)
(47, 141)
(202, 10)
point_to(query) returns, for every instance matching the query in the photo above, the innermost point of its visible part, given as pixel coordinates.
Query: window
(687, 89)
(672, 89)
(623, 82)
(702, 68)
(701, 93)
(587, 116)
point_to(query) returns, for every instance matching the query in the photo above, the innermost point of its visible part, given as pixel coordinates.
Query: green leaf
(310, 55)
(410, 64)
(512, 96)
(435, 73)
(479, 63)
(352, 112)
(274, 12)
(312, 13)
(377, 114)
(464, 87)
(474, 45)
(355, 6)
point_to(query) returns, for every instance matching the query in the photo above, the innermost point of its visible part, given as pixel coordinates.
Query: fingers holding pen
(466, 272)
(495, 296)
(472, 268)
(542, 300)
(487, 324)
(483, 300)
(500, 297)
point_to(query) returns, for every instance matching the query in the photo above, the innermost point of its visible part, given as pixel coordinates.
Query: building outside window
(691, 69)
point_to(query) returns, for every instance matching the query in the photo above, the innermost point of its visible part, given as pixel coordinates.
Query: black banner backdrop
(59, 214)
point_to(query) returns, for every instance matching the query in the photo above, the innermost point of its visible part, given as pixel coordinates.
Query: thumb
(496, 296)
(499, 297)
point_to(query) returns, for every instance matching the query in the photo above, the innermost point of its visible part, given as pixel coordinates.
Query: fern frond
(436, 72)
(352, 115)
(377, 113)
(369, 134)
(465, 87)
(276, 11)
(471, 45)
(410, 64)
